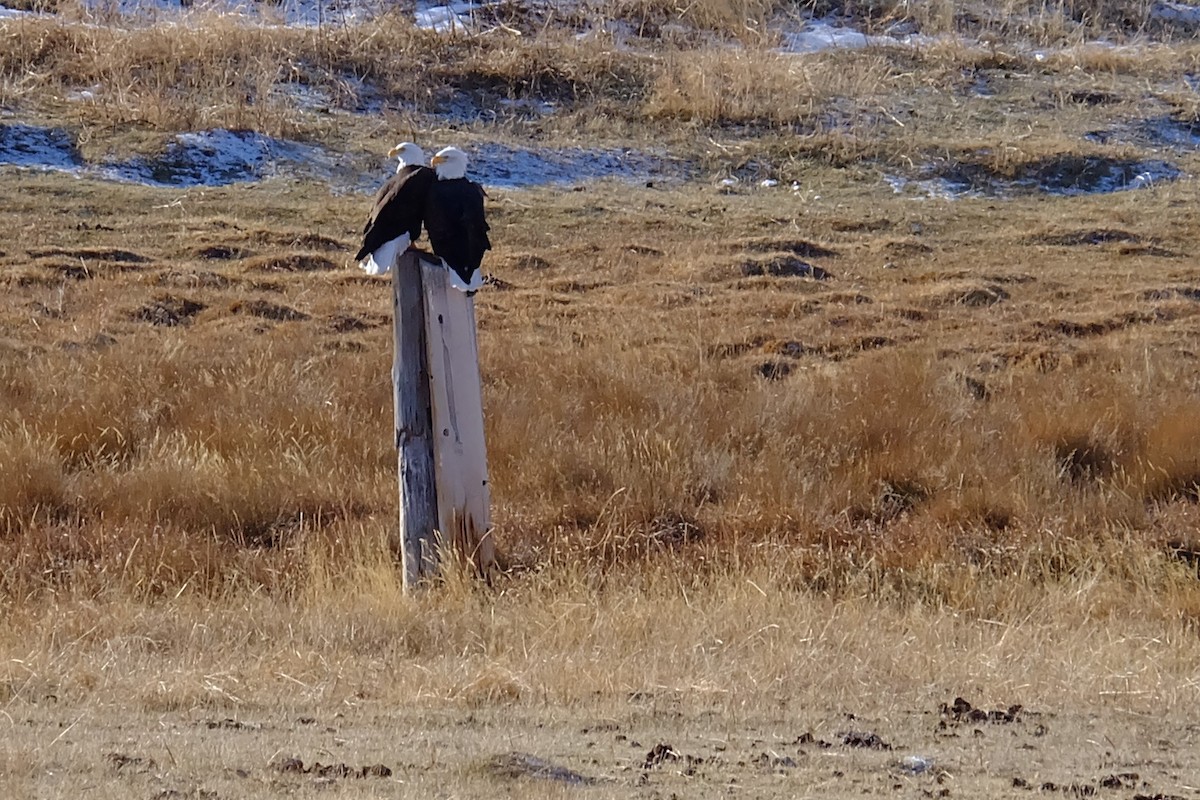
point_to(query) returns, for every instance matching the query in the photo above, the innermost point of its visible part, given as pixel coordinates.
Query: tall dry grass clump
(131, 80)
(600, 449)
(31, 480)
(763, 86)
(644, 451)
(740, 19)
(220, 71)
(1056, 20)
(217, 72)
(595, 450)
(180, 435)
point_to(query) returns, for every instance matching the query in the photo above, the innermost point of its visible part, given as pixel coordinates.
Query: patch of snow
(446, 18)
(1145, 179)
(320, 13)
(528, 107)
(508, 167)
(1100, 177)
(1175, 13)
(1171, 133)
(1158, 132)
(85, 95)
(819, 35)
(221, 157)
(13, 13)
(930, 188)
(214, 158)
(468, 108)
(982, 87)
(616, 33)
(297, 13)
(916, 765)
(38, 148)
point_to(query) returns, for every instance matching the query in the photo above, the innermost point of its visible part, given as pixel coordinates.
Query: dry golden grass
(219, 71)
(721, 663)
(640, 397)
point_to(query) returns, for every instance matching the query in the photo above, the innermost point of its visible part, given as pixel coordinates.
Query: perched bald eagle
(455, 221)
(395, 219)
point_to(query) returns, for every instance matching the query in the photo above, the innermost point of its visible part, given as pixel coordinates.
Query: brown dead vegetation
(981, 383)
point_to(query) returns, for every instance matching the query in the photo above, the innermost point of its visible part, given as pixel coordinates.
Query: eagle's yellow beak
(395, 151)
(438, 159)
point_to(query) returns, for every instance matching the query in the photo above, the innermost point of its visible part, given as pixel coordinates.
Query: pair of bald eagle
(442, 198)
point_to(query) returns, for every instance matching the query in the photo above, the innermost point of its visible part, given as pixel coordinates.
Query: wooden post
(456, 395)
(413, 429)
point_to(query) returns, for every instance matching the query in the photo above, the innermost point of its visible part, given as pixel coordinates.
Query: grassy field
(778, 474)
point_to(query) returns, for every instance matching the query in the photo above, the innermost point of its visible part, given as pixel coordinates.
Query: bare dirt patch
(169, 311)
(268, 310)
(290, 262)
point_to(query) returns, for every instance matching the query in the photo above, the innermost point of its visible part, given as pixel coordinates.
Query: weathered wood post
(444, 494)
(456, 396)
(414, 426)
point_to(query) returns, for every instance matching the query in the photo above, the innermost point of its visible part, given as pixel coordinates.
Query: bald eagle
(395, 219)
(455, 221)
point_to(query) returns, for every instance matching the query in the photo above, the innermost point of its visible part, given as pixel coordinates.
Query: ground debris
(497, 284)
(229, 724)
(962, 711)
(317, 769)
(981, 296)
(289, 765)
(662, 753)
(774, 761)
(774, 370)
(1085, 237)
(797, 247)
(196, 793)
(1172, 293)
(916, 765)
(109, 254)
(192, 279)
(526, 261)
(658, 754)
(291, 262)
(348, 323)
(523, 765)
(864, 739)
(784, 267)
(1070, 789)
(168, 311)
(1083, 328)
(122, 761)
(223, 252)
(808, 738)
(268, 310)
(1120, 780)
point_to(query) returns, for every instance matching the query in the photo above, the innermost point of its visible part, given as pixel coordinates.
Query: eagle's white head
(450, 163)
(408, 154)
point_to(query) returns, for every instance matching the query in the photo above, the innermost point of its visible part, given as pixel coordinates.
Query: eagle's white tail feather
(471, 286)
(380, 262)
